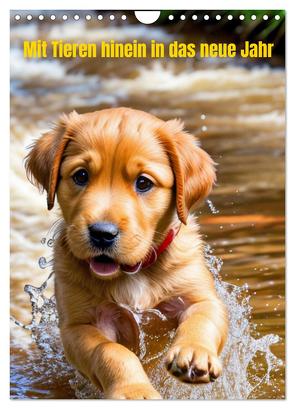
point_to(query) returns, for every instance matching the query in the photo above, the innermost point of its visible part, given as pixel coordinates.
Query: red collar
(153, 254)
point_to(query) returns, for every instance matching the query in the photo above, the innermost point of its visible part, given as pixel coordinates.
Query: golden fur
(115, 146)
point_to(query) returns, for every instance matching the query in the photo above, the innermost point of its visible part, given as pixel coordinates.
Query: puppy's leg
(107, 364)
(200, 336)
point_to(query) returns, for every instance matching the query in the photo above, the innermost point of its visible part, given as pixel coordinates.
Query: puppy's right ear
(43, 162)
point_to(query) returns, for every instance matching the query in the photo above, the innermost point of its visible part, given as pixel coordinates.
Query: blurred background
(236, 107)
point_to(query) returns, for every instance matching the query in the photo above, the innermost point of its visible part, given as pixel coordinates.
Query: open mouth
(103, 265)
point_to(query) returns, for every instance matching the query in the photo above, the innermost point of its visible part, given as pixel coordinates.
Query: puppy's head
(119, 175)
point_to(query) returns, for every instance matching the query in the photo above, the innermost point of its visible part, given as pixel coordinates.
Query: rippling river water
(238, 114)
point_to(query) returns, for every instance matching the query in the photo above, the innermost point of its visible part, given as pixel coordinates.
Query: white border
(149, 5)
(4, 163)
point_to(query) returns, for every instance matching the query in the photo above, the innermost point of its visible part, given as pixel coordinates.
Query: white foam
(218, 81)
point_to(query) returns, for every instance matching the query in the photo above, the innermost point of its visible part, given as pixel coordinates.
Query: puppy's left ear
(43, 162)
(193, 168)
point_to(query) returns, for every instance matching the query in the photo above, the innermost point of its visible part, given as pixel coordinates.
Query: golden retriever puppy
(126, 182)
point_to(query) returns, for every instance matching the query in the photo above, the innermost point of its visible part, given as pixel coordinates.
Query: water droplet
(50, 243)
(212, 207)
(43, 263)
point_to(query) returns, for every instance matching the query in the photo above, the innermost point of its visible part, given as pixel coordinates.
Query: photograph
(147, 204)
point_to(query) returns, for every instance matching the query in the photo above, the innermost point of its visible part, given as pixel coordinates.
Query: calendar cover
(147, 204)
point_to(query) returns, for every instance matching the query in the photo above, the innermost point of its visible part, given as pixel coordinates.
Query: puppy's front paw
(193, 364)
(133, 391)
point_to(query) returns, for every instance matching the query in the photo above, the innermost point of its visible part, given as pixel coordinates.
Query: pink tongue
(103, 268)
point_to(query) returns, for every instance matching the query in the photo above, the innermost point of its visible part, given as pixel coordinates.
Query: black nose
(103, 235)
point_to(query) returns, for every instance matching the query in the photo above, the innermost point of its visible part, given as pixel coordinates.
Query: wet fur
(117, 145)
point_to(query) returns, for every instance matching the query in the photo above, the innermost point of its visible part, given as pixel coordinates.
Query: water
(241, 375)
(212, 207)
(238, 114)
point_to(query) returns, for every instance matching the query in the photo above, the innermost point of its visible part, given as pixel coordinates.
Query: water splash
(43, 262)
(45, 333)
(52, 233)
(212, 207)
(242, 375)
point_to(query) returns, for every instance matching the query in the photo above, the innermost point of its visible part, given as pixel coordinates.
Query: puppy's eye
(143, 184)
(80, 177)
